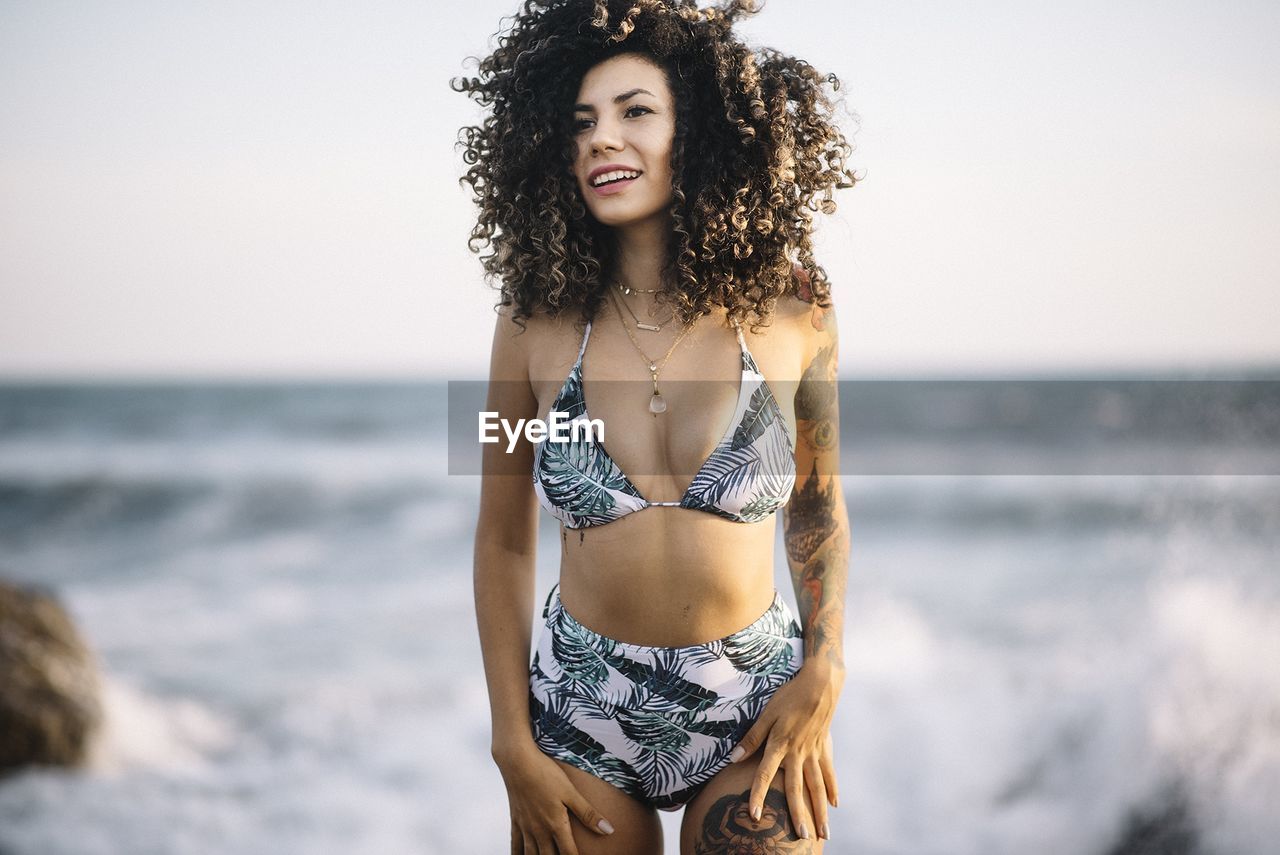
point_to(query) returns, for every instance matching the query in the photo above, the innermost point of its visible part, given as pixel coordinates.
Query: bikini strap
(583, 349)
(742, 342)
(748, 361)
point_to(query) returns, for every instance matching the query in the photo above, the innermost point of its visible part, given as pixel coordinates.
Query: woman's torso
(666, 576)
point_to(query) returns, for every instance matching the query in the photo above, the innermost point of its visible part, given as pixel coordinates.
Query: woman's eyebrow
(617, 99)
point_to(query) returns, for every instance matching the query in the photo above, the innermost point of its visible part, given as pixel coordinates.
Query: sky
(269, 190)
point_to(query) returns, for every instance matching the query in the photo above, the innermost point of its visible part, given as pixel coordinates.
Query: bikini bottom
(656, 722)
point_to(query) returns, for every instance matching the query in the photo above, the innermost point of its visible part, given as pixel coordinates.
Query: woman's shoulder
(539, 327)
(800, 306)
(806, 326)
(543, 341)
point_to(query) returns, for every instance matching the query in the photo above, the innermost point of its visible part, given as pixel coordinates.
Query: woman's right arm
(540, 794)
(506, 546)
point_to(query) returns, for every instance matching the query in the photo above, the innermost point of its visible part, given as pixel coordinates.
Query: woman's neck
(640, 253)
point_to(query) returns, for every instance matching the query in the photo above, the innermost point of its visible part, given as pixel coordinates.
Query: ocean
(1055, 650)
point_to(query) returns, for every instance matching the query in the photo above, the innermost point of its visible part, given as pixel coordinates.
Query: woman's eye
(583, 124)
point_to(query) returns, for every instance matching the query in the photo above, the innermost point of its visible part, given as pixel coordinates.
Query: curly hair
(754, 148)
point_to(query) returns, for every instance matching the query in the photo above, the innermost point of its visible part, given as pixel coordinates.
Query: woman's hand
(538, 793)
(795, 730)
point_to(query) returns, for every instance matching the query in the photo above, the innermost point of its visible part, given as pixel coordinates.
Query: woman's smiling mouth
(612, 178)
(616, 185)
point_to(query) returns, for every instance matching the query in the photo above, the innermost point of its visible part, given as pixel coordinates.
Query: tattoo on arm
(816, 401)
(817, 541)
(815, 521)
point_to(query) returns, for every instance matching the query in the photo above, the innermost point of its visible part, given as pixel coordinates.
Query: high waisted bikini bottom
(656, 722)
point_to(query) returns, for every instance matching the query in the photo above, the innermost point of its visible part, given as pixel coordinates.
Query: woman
(647, 182)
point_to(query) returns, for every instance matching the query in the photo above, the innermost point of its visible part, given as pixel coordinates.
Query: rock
(1164, 826)
(50, 693)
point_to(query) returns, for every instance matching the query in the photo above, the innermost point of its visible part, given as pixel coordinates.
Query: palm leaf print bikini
(748, 476)
(660, 722)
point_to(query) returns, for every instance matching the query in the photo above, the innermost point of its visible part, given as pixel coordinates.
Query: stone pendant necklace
(657, 403)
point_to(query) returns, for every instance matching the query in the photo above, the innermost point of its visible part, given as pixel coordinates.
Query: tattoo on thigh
(728, 828)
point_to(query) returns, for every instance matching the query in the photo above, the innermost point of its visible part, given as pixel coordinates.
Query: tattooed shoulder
(820, 317)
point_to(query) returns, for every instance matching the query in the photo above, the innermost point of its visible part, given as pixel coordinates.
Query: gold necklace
(627, 289)
(640, 324)
(657, 403)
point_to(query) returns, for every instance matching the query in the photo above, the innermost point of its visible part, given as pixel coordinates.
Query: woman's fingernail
(826, 831)
(755, 813)
(736, 754)
(605, 826)
(804, 832)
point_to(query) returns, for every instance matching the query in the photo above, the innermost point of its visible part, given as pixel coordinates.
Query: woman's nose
(605, 136)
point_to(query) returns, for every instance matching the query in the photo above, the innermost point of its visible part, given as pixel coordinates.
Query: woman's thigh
(636, 827)
(717, 821)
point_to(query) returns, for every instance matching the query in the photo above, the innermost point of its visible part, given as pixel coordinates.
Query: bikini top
(748, 476)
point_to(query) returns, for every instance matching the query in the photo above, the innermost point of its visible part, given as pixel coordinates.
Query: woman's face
(624, 121)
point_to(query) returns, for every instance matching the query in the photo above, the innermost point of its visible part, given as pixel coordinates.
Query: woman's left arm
(795, 727)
